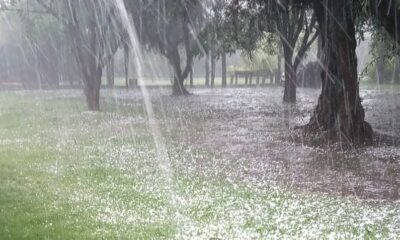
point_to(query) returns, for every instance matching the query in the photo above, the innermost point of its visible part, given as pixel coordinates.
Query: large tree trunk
(339, 114)
(320, 50)
(289, 95)
(223, 65)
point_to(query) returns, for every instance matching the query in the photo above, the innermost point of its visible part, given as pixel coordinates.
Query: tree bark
(212, 67)
(320, 50)
(126, 64)
(178, 87)
(110, 73)
(174, 58)
(92, 90)
(223, 64)
(380, 67)
(91, 68)
(191, 77)
(88, 41)
(207, 66)
(339, 115)
(289, 95)
(279, 69)
(320, 53)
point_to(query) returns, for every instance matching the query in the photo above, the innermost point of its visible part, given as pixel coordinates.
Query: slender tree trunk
(179, 88)
(191, 77)
(179, 78)
(320, 53)
(278, 75)
(339, 115)
(110, 73)
(223, 64)
(380, 67)
(91, 68)
(126, 64)
(289, 95)
(207, 65)
(396, 69)
(212, 67)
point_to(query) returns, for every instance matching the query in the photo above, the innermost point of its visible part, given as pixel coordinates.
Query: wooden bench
(262, 75)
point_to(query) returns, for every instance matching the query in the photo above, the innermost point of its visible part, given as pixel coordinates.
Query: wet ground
(249, 133)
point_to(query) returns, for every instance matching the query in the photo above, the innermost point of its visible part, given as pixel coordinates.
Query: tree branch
(53, 12)
(304, 47)
(387, 13)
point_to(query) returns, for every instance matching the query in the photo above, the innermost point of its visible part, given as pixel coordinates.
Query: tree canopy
(95, 32)
(168, 27)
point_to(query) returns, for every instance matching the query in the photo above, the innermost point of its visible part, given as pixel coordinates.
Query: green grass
(69, 174)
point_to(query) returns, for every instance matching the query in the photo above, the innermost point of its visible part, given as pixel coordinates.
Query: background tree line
(87, 34)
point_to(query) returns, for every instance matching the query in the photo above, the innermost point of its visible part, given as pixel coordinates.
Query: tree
(385, 29)
(339, 115)
(223, 41)
(386, 14)
(95, 32)
(264, 55)
(35, 49)
(220, 36)
(385, 55)
(215, 41)
(170, 28)
(291, 23)
(296, 27)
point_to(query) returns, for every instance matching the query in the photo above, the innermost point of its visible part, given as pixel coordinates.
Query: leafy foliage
(168, 27)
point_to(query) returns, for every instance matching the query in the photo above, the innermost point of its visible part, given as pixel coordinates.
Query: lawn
(66, 173)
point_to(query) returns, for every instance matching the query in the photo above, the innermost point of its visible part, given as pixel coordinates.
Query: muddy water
(249, 133)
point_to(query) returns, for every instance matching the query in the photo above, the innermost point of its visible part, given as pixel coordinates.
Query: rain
(199, 119)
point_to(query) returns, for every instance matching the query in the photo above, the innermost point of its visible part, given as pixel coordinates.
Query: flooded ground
(249, 133)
